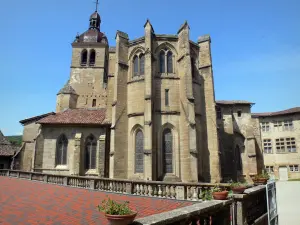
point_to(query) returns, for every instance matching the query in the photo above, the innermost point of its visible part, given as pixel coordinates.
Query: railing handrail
(127, 180)
(181, 214)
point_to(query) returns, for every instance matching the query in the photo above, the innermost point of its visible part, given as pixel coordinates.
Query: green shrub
(111, 207)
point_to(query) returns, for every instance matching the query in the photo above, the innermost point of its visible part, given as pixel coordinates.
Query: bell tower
(89, 66)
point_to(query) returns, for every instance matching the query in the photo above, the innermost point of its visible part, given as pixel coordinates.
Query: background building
(280, 134)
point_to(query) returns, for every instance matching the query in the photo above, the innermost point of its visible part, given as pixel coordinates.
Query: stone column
(212, 142)
(119, 138)
(101, 156)
(77, 155)
(148, 124)
(188, 147)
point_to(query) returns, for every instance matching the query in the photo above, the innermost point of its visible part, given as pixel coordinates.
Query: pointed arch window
(138, 65)
(84, 57)
(139, 152)
(92, 57)
(135, 66)
(170, 62)
(167, 151)
(166, 61)
(61, 150)
(142, 64)
(90, 152)
(193, 65)
(238, 158)
(162, 60)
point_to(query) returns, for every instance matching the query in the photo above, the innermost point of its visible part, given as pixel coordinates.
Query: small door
(283, 173)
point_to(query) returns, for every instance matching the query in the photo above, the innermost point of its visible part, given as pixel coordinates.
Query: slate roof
(234, 102)
(77, 116)
(35, 118)
(278, 113)
(6, 148)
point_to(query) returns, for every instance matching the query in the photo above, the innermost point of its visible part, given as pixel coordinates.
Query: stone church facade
(144, 109)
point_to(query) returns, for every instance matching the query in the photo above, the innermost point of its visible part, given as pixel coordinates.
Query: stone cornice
(164, 112)
(87, 67)
(123, 63)
(147, 151)
(140, 79)
(135, 114)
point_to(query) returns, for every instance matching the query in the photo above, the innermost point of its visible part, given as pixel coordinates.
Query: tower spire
(97, 3)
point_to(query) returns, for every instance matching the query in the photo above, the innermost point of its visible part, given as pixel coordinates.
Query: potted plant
(219, 193)
(117, 213)
(261, 178)
(238, 188)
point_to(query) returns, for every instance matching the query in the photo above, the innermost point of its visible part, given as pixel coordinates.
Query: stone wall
(46, 150)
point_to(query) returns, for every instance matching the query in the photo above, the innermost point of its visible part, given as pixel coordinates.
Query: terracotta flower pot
(220, 195)
(260, 181)
(120, 219)
(239, 190)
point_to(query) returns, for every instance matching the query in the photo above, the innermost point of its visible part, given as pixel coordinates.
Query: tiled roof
(77, 116)
(234, 102)
(6, 148)
(35, 118)
(278, 113)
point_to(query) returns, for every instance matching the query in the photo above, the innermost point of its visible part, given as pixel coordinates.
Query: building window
(288, 125)
(238, 158)
(280, 147)
(278, 124)
(239, 113)
(61, 150)
(94, 103)
(135, 66)
(138, 65)
(166, 61)
(142, 64)
(139, 152)
(219, 112)
(167, 151)
(90, 152)
(290, 144)
(170, 62)
(270, 169)
(267, 146)
(265, 126)
(193, 65)
(294, 168)
(92, 57)
(162, 62)
(167, 97)
(1, 166)
(84, 57)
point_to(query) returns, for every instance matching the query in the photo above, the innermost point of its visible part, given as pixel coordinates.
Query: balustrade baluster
(159, 191)
(150, 190)
(155, 192)
(137, 189)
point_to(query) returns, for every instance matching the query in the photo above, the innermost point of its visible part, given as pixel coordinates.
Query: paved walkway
(288, 202)
(24, 202)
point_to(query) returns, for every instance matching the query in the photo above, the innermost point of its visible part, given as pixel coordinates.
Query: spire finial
(97, 3)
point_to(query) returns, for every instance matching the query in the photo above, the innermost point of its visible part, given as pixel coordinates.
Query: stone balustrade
(247, 208)
(205, 213)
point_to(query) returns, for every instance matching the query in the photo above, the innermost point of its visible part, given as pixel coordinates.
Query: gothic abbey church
(144, 109)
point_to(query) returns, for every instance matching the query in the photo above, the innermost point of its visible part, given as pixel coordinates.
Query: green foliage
(206, 195)
(111, 207)
(217, 188)
(238, 184)
(15, 140)
(263, 175)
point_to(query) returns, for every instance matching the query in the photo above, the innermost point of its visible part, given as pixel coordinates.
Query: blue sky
(255, 47)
